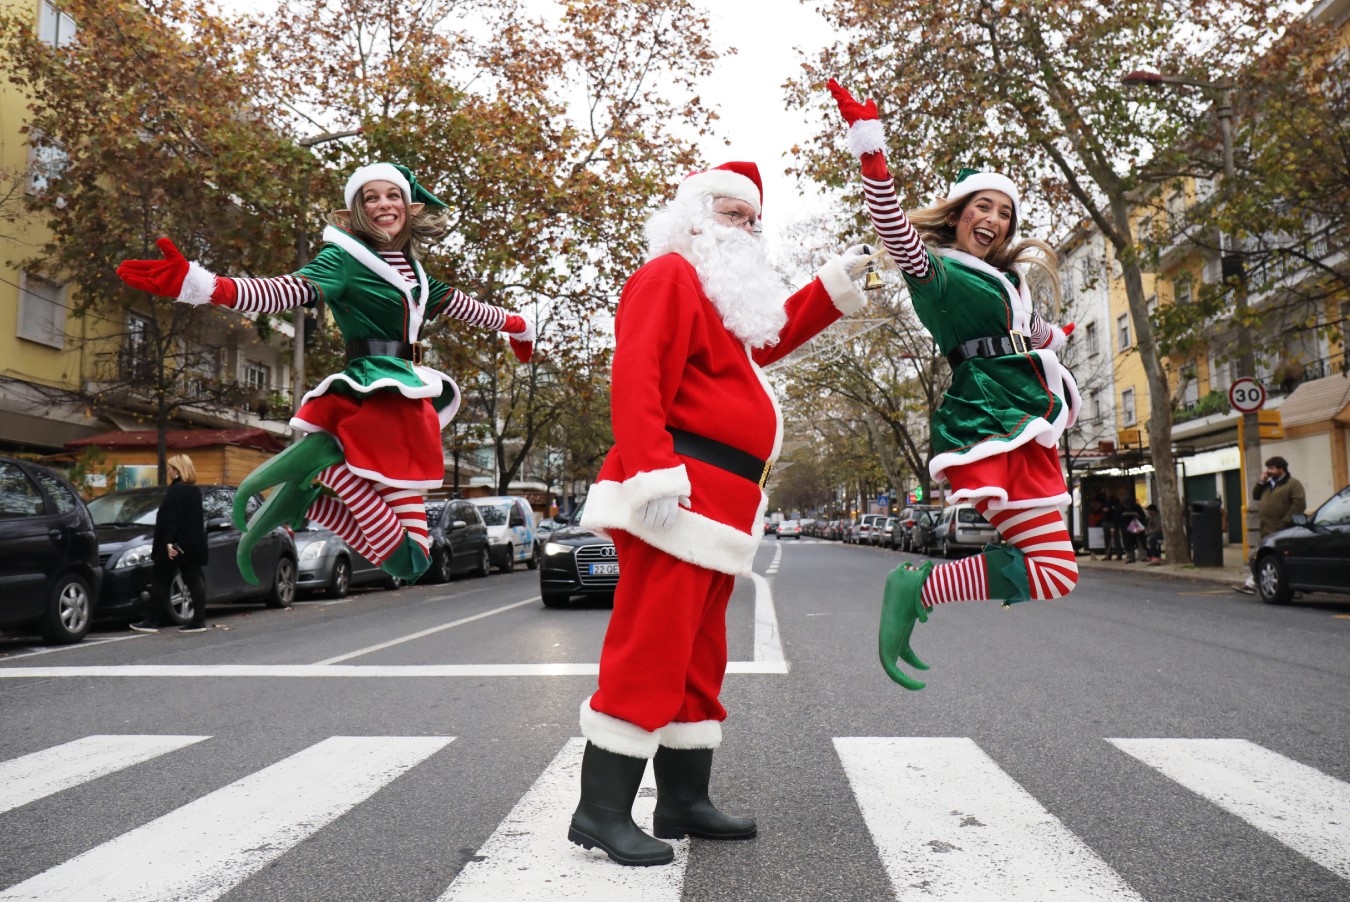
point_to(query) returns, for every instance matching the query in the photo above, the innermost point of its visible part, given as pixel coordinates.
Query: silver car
(330, 565)
(962, 528)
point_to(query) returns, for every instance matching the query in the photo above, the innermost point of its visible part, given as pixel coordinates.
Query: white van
(512, 537)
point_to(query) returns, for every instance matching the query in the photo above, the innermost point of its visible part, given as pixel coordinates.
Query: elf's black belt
(711, 451)
(991, 346)
(369, 347)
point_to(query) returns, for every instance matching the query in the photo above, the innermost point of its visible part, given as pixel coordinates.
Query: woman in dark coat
(179, 546)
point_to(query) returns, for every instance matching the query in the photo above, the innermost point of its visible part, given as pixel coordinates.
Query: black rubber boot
(682, 804)
(609, 784)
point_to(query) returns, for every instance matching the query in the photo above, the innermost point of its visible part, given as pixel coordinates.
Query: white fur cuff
(198, 286)
(1057, 338)
(703, 734)
(617, 736)
(845, 295)
(866, 136)
(527, 335)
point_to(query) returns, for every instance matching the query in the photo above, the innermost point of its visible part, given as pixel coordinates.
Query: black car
(49, 573)
(902, 539)
(923, 535)
(576, 561)
(459, 540)
(126, 525)
(1313, 555)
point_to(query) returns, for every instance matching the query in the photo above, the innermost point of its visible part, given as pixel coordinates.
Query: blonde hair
(418, 234)
(183, 464)
(935, 230)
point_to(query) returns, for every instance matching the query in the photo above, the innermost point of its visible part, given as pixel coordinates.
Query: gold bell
(873, 280)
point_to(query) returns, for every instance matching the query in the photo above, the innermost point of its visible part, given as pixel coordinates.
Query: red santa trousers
(665, 651)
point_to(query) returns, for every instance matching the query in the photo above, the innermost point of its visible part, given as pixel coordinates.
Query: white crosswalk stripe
(950, 824)
(202, 850)
(60, 767)
(528, 857)
(1300, 806)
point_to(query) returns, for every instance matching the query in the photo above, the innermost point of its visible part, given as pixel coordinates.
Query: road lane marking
(1305, 809)
(773, 564)
(36, 776)
(949, 823)
(427, 632)
(529, 857)
(87, 643)
(768, 642)
(317, 671)
(203, 850)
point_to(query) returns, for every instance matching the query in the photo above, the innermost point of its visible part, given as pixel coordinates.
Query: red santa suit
(677, 365)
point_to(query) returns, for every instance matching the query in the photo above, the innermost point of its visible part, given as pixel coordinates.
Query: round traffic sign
(1247, 395)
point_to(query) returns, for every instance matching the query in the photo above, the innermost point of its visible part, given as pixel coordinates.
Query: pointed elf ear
(344, 215)
(414, 209)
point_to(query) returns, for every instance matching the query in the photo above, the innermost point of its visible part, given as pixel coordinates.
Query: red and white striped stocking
(411, 510)
(332, 514)
(1038, 532)
(378, 524)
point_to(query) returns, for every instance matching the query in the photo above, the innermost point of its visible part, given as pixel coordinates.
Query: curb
(1222, 575)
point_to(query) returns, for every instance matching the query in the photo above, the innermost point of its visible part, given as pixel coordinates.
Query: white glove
(855, 260)
(659, 513)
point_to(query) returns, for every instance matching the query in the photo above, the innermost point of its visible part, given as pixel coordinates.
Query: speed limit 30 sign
(1247, 395)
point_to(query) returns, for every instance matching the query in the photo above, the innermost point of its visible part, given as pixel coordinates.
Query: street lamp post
(1249, 429)
(302, 258)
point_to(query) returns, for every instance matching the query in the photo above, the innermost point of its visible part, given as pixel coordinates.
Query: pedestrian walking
(996, 432)
(178, 548)
(1111, 529)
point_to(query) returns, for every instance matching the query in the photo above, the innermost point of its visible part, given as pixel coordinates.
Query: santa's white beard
(732, 267)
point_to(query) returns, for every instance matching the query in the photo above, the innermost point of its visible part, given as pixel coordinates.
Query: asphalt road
(1147, 738)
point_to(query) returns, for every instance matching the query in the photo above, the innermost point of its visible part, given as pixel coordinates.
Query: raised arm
(867, 140)
(451, 302)
(190, 283)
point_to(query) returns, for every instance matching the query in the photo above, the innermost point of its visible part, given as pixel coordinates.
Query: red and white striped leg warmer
(411, 510)
(1039, 533)
(378, 523)
(963, 580)
(332, 514)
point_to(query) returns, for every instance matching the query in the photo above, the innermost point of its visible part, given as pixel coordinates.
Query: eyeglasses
(740, 221)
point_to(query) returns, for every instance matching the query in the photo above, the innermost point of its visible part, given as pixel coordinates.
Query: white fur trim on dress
(720, 183)
(694, 538)
(198, 285)
(842, 290)
(866, 136)
(377, 264)
(384, 172)
(702, 734)
(617, 736)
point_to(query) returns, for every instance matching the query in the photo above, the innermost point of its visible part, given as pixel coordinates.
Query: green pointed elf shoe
(288, 503)
(408, 562)
(900, 608)
(299, 463)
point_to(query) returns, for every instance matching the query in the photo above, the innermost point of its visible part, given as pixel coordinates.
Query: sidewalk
(1234, 570)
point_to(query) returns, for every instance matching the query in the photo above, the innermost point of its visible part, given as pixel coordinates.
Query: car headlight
(553, 548)
(314, 550)
(134, 557)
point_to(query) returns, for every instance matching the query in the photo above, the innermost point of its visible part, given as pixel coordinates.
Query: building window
(1090, 338)
(54, 26)
(257, 376)
(1127, 406)
(1181, 292)
(46, 164)
(136, 359)
(1123, 332)
(1151, 305)
(1096, 400)
(42, 311)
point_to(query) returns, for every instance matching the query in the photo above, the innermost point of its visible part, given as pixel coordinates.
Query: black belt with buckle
(992, 346)
(723, 456)
(368, 347)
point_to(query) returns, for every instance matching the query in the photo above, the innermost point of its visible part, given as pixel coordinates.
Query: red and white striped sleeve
(898, 235)
(458, 305)
(272, 295)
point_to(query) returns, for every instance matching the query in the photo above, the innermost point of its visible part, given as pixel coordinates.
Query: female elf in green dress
(996, 432)
(373, 429)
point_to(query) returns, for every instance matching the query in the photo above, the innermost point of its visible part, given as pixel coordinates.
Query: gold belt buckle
(764, 477)
(417, 353)
(1019, 342)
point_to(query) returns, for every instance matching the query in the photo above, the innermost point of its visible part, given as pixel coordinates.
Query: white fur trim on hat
(617, 736)
(866, 136)
(990, 181)
(702, 734)
(720, 183)
(384, 172)
(198, 285)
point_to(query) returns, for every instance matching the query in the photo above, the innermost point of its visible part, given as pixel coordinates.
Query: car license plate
(604, 569)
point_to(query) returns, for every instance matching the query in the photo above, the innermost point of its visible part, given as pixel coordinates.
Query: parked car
(328, 564)
(789, 529)
(903, 536)
(459, 540)
(511, 536)
(961, 527)
(126, 524)
(1313, 555)
(866, 525)
(884, 534)
(577, 561)
(770, 527)
(923, 535)
(48, 554)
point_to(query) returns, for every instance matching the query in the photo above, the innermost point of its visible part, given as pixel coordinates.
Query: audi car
(576, 561)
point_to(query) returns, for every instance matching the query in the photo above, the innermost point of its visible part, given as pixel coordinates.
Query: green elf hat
(972, 181)
(391, 172)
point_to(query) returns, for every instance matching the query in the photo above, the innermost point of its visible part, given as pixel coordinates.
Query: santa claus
(696, 429)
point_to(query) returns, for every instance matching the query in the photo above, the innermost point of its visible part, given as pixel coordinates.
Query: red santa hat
(735, 179)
